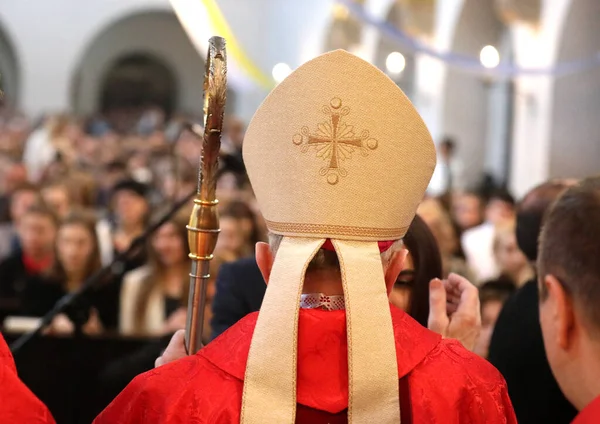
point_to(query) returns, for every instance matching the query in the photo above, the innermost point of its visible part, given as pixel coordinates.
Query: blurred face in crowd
(73, 131)
(438, 221)
(246, 227)
(490, 310)
(230, 240)
(130, 207)
(110, 149)
(509, 257)
(37, 233)
(57, 197)
(227, 186)
(139, 160)
(467, 211)
(156, 139)
(169, 246)
(74, 246)
(20, 202)
(188, 147)
(498, 211)
(15, 175)
(235, 132)
(89, 148)
(400, 295)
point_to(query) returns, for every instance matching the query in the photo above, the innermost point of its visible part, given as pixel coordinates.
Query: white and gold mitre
(338, 152)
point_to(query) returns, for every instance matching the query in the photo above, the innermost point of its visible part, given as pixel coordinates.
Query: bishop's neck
(327, 282)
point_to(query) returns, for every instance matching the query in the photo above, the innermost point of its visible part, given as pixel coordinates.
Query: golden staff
(203, 228)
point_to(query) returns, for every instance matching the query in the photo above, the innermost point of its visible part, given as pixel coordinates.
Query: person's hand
(61, 324)
(93, 325)
(454, 310)
(176, 321)
(174, 351)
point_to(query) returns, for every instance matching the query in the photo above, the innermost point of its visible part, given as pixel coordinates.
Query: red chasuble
(590, 414)
(17, 403)
(439, 380)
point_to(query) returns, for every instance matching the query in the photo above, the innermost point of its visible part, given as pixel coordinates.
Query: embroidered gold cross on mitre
(334, 141)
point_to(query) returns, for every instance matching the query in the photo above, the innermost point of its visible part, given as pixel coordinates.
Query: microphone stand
(115, 268)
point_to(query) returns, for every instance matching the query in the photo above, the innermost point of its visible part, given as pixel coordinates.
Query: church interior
(102, 112)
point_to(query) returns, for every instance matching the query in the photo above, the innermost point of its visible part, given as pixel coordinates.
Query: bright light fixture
(489, 57)
(395, 63)
(281, 71)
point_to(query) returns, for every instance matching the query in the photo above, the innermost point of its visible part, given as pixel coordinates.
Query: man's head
(23, 197)
(569, 278)
(467, 209)
(57, 195)
(37, 231)
(15, 176)
(531, 211)
(130, 202)
(500, 207)
(323, 271)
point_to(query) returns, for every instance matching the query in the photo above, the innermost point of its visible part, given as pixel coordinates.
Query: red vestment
(17, 403)
(439, 380)
(590, 414)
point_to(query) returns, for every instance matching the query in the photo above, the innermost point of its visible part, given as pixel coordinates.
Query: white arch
(157, 33)
(466, 104)
(534, 97)
(575, 131)
(49, 50)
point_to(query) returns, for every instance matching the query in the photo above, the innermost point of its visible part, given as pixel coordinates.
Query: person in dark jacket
(516, 347)
(29, 265)
(240, 291)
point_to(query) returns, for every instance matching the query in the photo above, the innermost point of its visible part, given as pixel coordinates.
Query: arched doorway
(137, 81)
(9, 70)
(406, 77)
(477, 110)
(575, 134)
(144, 57)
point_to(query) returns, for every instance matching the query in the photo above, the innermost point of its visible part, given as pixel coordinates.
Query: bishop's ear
(264, 260)
(557, 310)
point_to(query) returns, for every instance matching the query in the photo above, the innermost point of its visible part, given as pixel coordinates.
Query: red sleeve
(455, 386)
(491, 405)
(129, 406)
(185, 391)
(17, 403)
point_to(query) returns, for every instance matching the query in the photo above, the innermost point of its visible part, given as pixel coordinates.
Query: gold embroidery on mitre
(334, 141)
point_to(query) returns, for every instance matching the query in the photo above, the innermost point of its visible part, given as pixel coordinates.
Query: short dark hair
(41, 209)
(132, 186)
(499, 289)
(531, 211)
(570, 247)
(503, 195)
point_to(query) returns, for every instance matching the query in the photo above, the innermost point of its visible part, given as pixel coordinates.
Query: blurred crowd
(75, 193)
